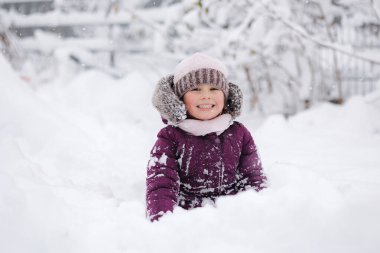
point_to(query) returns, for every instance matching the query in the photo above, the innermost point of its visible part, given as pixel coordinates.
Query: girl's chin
(203, 116)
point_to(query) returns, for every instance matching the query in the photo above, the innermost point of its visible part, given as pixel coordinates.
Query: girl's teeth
(205, 106)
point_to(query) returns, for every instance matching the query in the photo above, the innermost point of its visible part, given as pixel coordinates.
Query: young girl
(202, 153)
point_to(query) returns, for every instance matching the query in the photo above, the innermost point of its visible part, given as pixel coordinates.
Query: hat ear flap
(167, 102)
(234, 101)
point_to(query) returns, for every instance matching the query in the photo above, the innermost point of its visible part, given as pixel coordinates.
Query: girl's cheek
(188, 104)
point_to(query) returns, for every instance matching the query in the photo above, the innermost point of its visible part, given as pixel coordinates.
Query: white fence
(344, 75)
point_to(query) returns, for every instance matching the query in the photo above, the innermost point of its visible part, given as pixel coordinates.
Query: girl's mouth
(205, 106)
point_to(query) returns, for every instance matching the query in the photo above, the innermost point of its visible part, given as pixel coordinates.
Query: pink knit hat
(200, 69)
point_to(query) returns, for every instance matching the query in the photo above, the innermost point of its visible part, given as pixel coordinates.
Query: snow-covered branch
(302, 33)
(376, 9)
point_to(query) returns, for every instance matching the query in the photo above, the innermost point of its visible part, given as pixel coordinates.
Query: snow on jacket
(186, 170)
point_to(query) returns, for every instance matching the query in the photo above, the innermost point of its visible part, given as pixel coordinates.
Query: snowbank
(72, 176)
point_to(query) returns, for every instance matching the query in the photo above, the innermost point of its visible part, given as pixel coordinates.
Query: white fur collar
(203, 127)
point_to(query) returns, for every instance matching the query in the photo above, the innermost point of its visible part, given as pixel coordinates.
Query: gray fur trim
(167, 102)
(234, 101)
(173, 109)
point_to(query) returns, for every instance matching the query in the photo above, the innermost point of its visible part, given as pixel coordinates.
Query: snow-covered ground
(73, 160)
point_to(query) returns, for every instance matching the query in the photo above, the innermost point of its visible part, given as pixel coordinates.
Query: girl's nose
(206, 94)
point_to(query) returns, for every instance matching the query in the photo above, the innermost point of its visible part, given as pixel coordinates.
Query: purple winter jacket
(187, 170)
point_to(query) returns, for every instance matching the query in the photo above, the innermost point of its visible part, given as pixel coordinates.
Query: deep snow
(73, 159)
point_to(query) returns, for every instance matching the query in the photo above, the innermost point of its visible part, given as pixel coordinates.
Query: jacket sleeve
(250, 171)
(162, 182)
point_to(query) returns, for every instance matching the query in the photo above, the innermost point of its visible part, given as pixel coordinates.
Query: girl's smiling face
(204, 102)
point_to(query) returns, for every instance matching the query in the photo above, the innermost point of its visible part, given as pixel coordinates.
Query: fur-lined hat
(191, 72)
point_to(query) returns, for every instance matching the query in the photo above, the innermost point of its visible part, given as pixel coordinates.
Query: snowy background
(73, 161)
(75, 142)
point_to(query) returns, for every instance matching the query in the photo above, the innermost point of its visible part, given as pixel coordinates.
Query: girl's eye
(214, 88)
(196, 89)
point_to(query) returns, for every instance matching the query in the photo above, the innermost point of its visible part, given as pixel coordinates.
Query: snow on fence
(344, 75)
(351, 76)
(99, 33)
(27, 6)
